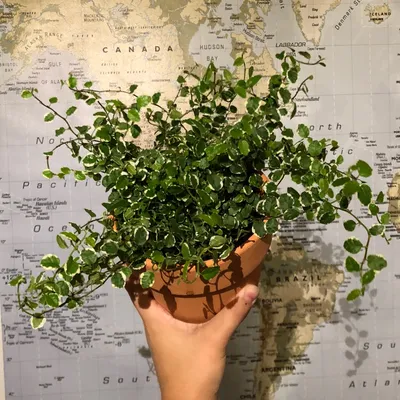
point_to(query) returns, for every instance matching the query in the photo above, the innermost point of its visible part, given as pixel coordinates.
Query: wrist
(186, 393)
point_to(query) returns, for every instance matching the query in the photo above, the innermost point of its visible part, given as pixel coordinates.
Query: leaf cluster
(199, 192)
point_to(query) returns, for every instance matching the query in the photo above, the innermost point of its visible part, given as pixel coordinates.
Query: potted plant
(196, 213)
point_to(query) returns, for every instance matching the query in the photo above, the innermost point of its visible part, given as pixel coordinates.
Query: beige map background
(116, 43)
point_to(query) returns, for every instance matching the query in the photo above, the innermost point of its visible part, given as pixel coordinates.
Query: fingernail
(250, 294)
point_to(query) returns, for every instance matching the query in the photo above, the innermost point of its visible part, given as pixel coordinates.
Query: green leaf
(368, 277)
(131, 168)
(241, 91)
(227, 75)
(376, 230)
(376, 262)
(340, 160)
(157, 256)
(169, 240)
(327, 218)
(244, 147)
(50, 261)
(380, 198)
(226, 253)
(385, 218)
(353, 245)
(136, 130)
(185, 250)
(26, 94)
(175, 114)
(306, 199)
(71, 110)
(364, 169)
(71, 267)
(132, 88)
(210, 272)
(340, 182)
(89, 161)
(53, 100)
(286, 96)
(238, 62)
(272, 226)
(350, 225)
(365, 194)
(72, 82)
(354, 294)
(316, 166)
(217, 242)
(51, 299)
(253, 81)
(373, 209)
(48, 174)
(140, 235)
(110, 247)
(291, 214)
(215, 182)
(143, 101)
(60, 131)
(88, 256)
(350, 188)
(72, 304)
(63, 288)
(37, 322)
(90, 212)
(133, 115)
(352, 265)
(303, 131)
(259, 228)
(293, 75)
(147, 279)
(315, 148)
(305, 54)
(70, 236)
(17, 280)
(117, 280)
(323, 184)
(61, 242)
(79, 175)
(49, 117)
(285, 201)
(88, 84)
(156, 98)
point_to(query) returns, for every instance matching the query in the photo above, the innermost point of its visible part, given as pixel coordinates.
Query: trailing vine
(198, 193)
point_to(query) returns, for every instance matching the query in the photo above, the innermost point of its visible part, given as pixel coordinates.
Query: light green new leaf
(50, 261)
(147, 279)
(37, 323)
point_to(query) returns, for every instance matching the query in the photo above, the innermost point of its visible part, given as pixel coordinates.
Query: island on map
(378, 13)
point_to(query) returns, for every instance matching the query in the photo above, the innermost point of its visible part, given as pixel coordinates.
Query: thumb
(230, 317)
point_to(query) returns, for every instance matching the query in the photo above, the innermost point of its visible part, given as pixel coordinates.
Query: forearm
(187, 395)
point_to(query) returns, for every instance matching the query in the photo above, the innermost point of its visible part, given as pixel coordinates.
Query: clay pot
(199, 301)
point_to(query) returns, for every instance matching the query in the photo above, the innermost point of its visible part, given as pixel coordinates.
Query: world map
(302, 340)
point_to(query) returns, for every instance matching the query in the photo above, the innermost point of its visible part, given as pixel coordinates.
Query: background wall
(302, 340)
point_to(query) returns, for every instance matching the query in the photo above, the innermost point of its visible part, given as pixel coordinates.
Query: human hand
(189, 358)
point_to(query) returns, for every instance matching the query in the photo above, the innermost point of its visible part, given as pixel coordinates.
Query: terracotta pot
(199, 301)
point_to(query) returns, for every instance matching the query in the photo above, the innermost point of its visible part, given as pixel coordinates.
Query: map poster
(302, 340)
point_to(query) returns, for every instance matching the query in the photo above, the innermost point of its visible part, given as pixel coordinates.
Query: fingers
(230, 317)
